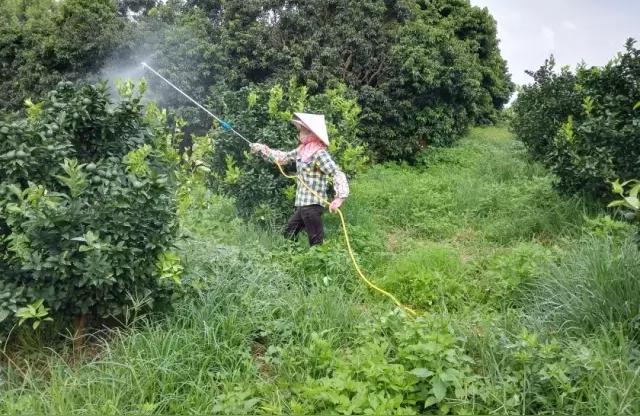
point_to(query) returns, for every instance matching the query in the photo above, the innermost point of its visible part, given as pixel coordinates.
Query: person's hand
(256, 147)
(335, 204)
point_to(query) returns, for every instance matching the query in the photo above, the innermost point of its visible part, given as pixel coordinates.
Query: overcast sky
(573, 30)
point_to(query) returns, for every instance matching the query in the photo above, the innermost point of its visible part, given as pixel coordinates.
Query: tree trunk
(79, 332)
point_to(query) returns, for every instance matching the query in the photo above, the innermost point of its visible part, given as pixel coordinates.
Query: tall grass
(595, 284)
(485, 184)
(181, 364)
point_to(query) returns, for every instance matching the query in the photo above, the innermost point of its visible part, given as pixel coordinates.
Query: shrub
(585, 126)
(87, 206)
(543, 106)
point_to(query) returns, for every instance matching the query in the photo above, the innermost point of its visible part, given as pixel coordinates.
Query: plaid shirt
(315, 173)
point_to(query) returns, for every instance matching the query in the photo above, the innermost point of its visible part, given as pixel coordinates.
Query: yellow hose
(410, 311)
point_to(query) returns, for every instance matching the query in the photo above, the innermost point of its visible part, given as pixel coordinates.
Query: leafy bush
(543, 106)
(87, 205)
(584, 126)
(264, 115)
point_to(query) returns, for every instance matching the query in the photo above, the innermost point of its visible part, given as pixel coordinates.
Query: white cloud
(549, 36)
(548, 33)
(573, 30)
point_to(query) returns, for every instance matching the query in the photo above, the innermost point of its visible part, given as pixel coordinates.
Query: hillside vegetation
(522, 295)
(142, 267)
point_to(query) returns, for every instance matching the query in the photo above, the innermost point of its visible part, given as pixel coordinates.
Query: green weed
(594, 284)
(427, 277)
(525, 373)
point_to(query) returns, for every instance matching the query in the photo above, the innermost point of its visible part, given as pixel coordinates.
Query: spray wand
(223, 123)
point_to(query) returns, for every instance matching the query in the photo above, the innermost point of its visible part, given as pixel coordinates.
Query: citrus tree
(584, 125)
(87, 206)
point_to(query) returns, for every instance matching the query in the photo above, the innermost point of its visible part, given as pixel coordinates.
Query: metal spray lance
(223, 123)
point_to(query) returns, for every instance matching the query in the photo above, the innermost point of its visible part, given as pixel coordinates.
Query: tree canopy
(422, 70)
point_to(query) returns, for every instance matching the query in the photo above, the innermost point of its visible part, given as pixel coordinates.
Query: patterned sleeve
(280, 156)
(329, 167)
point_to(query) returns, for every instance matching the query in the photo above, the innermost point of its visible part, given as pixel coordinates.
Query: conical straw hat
(313, 122)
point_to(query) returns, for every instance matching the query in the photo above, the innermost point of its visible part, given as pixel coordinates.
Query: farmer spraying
(314, 167)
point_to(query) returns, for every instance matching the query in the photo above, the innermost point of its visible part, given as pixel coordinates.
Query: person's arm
(272, 155)
(340, 184)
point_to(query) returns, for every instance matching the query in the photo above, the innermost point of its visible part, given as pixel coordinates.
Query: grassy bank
(529, 305)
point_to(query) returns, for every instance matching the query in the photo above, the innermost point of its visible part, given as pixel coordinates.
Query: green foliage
(266, 327)
(265, 114)
(185, 46)
(445, 74)
(484, 186)
(605, 226)
(427, 277)
(500, 279)
(87, 204)
(435, 277)
(169, 266)
(542, 107)
(583, 125)
(592, 286)
(420, 366)
(327, 260)
(422, 72)
(36, 311)
(43, 42)
(526, 373)
(193, 175)
(629, 200)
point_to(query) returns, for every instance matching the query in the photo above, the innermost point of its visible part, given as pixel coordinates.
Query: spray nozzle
(225, 125)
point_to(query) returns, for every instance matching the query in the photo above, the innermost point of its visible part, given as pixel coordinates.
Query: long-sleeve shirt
(315, 173)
